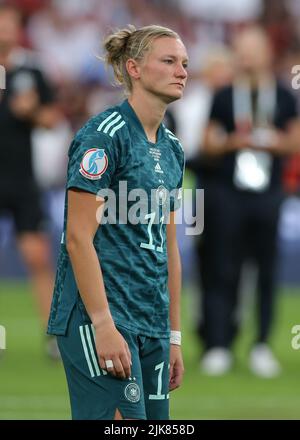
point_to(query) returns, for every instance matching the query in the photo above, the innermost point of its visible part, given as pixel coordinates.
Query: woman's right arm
(82, 225)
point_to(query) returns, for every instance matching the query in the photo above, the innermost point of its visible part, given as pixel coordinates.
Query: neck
(258, 79)
(150, 110)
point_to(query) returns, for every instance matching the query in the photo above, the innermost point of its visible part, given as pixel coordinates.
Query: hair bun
(115, 44)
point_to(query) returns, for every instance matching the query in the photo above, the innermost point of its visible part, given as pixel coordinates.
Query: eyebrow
(175, 57)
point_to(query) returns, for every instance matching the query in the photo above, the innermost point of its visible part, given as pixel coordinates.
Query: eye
(185, 65)
(168, 61)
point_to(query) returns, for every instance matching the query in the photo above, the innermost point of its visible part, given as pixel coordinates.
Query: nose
(181, 71)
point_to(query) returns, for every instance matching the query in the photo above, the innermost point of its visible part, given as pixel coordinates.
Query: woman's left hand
(176, 367)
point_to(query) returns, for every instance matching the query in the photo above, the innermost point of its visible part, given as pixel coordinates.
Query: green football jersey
(141, 183)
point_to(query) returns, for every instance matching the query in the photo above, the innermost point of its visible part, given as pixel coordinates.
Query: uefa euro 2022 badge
(94, 163)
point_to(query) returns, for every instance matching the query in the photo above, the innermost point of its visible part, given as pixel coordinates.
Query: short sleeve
(93, 160)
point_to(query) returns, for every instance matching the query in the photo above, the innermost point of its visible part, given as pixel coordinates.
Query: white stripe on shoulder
(179, 143)
(108, 126)
(116, 128)
(169, 131)
(172, 136)
(113, 122)
(106, 120)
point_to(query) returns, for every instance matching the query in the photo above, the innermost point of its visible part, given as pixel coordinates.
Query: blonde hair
(131, 43)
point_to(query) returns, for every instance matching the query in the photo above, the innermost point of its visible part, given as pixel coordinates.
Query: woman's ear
(133, 68)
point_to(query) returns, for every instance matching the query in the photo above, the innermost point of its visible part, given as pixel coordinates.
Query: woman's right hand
(111, 345)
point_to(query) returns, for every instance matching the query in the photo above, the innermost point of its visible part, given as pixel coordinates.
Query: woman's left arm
(174, 284)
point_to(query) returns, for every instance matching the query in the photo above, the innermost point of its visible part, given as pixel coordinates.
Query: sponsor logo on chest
(156, 155)
(158, 169)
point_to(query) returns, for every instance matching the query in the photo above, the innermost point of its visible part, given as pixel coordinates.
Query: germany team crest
(132, 392)
(161, 195)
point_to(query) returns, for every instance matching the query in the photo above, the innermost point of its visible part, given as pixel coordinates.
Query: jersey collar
(132, 116)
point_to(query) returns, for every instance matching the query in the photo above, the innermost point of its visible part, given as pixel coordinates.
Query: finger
(128, 354)
(176, 378)
(174, 383)
(110, 369)
(171, 371)
(102, 362)
(118, 367)
(126, 364)
(173, 387)
(171, 380)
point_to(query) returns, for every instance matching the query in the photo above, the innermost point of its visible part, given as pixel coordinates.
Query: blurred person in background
(253, 125)
(27, 102)
(215, 72)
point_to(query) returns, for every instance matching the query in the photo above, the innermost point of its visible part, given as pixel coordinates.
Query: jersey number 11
(150, 244)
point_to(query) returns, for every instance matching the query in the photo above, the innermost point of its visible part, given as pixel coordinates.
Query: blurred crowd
(66, 39)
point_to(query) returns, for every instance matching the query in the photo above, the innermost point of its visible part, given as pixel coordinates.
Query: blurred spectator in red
(27, 7)
(281, 26)
(291, 176)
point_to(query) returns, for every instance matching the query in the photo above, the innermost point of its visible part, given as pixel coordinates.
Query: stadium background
(66, 36)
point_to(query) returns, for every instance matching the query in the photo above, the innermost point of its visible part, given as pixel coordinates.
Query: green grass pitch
(33, 387)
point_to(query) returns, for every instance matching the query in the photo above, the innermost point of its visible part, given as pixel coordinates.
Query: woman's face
(163, 70)
(253, 52)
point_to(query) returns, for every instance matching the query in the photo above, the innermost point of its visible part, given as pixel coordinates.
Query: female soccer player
(117, 290)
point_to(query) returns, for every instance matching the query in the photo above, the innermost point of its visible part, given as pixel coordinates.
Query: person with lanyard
(118, 283)
(253, 125)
